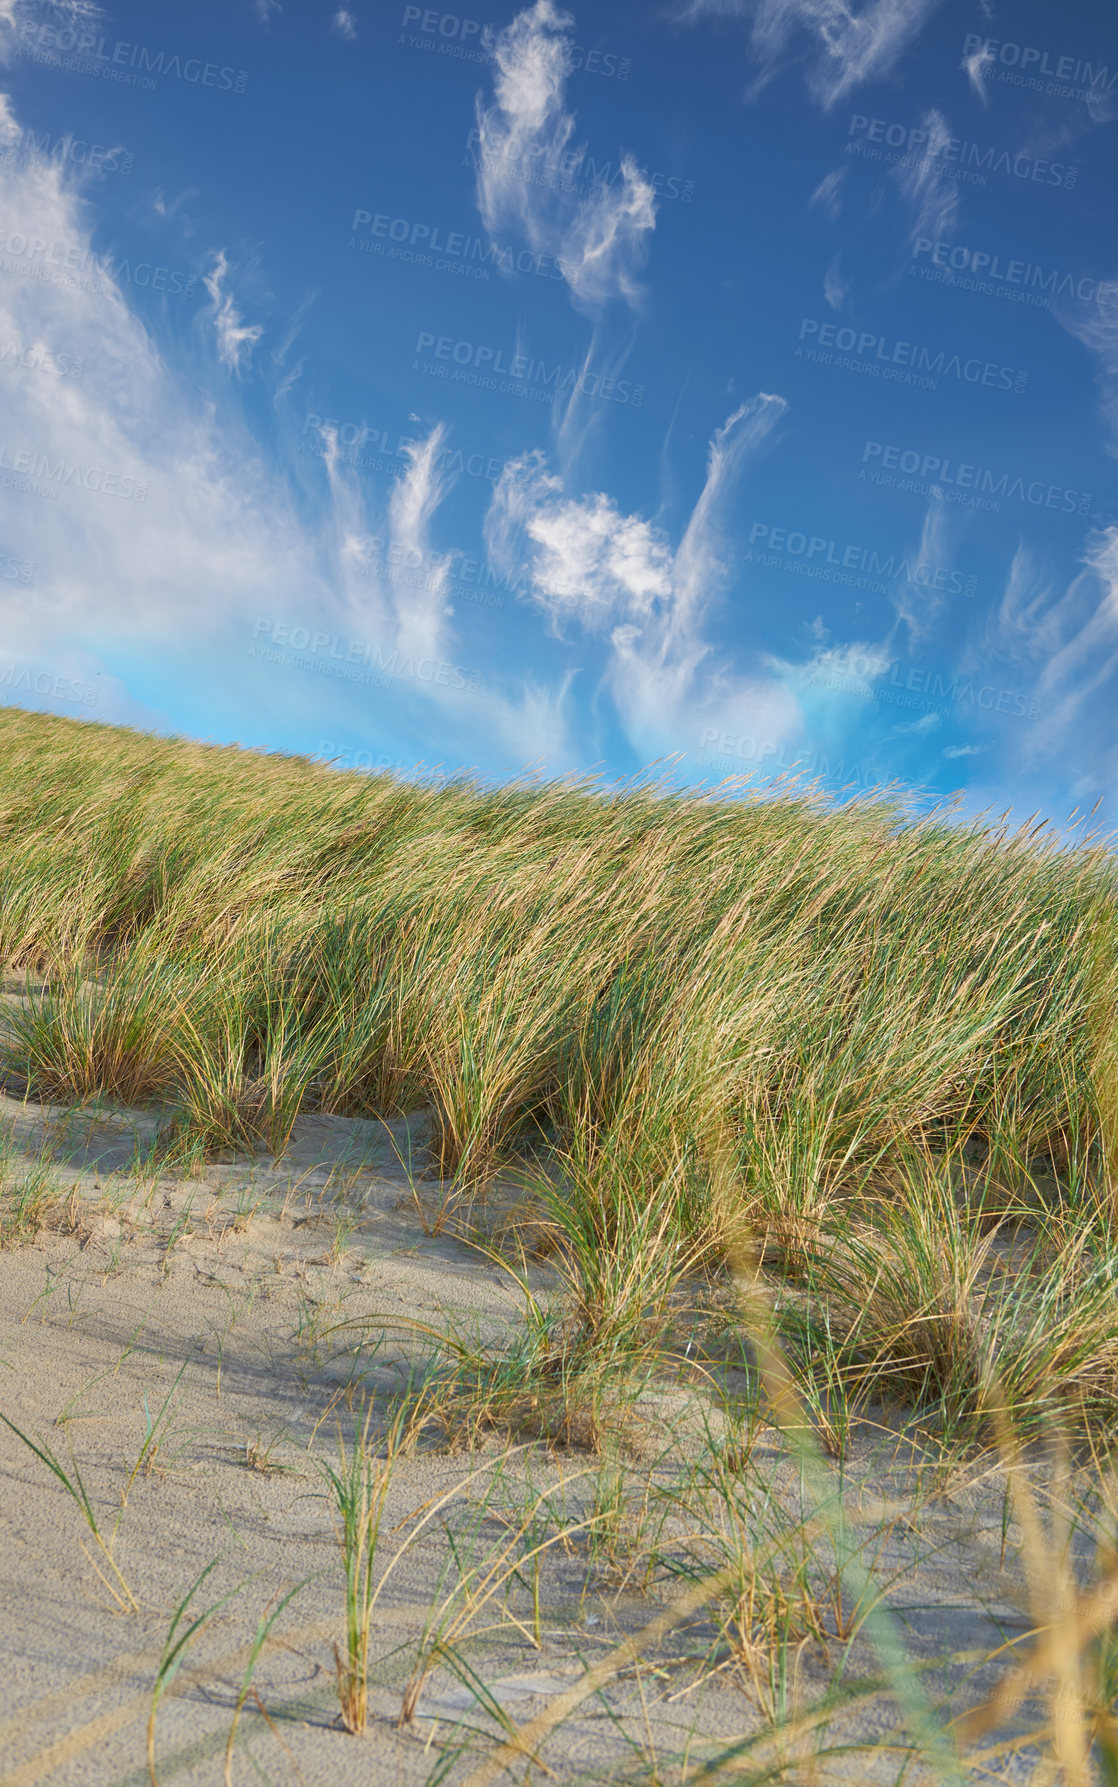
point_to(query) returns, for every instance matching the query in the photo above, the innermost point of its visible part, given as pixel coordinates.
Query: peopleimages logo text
(993, 270)
(60, 474)
(29, 146)
(576, 170)
(471, 40)
(59, 262)
(1033, 63)
(338, 654)
(472, 578)
(953, 154)
(867, 347)
(916, 687)
(735, 748)
(432, 245)
(133, 64)
(348, 757)
(389, 450)
(823, 556)
(37, 358)
(958, 475)
(474, 363)
(25, 679)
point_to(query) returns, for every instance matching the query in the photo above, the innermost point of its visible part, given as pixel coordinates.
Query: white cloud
(606, 239)
(66, 13)
(975, 66)
(828, 193)
(915, 599)
(415, 498)
(406, 612)
(235, 339)
(858, 661)
(1037, 674)
(1083, 631)
(1062, 647)
(213, 534)
(214, 538)
(615, 577)
(932, 197)
(344, 24)
(836, 289)
(1097, 329)
(598, 242)
(1025, 629)
(843, 45)
(590, 564)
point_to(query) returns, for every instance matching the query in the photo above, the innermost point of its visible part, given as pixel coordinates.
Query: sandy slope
(230, 1284)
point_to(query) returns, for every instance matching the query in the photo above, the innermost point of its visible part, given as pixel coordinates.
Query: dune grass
(874, 1053)
(847, 1071)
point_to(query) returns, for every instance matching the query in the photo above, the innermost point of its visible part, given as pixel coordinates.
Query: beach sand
(225, 1292)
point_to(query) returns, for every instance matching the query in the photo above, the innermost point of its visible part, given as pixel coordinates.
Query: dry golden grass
(859, 1065)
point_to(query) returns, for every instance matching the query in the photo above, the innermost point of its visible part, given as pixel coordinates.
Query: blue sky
(732, 381)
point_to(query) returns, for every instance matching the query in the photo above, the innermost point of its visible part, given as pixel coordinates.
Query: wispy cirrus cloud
(235, 338)
(599, 241)
(841, 44)
(615, 578)
(411, 617)
(1082, 635)
(1061, 642)
(975, 66)
(412, 506)
(932, 196)
(158, 530)
(918, 604)
(836, 289)
(1088, 654)
(1097, 329)
(592, 567)
(160, 515)
(828, 193)
(929, 722)
(65, 12)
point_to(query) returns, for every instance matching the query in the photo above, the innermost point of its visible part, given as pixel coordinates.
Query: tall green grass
(773, 985)
(850, 1070)
(696, 1026)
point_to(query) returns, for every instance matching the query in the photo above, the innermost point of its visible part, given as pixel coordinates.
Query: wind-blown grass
(854, 1067)
(765, 994)
(688, 1023)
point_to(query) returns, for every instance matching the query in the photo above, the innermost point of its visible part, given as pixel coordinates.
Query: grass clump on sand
(847, 1071)
(866, 1049)
(749, 1008)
